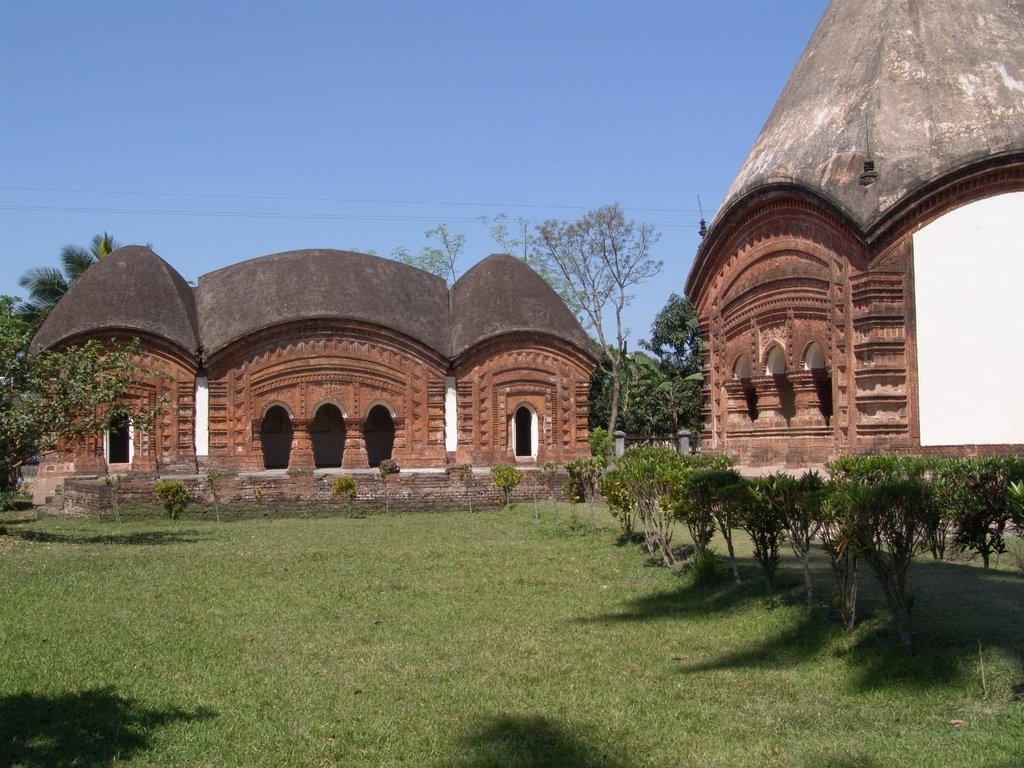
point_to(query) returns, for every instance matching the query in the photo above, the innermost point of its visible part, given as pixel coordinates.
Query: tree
(601, 257)
(675, 340)
(642, 404)
(60, 395)
(46, 285)
(438, 261)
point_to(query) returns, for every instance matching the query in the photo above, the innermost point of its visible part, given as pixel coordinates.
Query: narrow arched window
(814, 357)
(775, 363)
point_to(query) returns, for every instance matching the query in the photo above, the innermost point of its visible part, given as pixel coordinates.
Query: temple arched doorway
(276, 438)
(379, 434)
(327, 431)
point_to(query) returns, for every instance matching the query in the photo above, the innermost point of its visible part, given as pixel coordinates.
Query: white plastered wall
(202, 421)
(969, 283)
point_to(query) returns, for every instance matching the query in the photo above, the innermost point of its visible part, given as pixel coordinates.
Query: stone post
(683, 442)
(620, 442)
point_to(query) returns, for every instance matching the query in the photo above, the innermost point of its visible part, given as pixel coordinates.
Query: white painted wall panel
(969, 290)
(202, 422)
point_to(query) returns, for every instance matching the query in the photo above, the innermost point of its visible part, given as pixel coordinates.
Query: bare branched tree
(600, 258)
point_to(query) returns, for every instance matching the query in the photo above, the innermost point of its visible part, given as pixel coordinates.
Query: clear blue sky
(222, 131)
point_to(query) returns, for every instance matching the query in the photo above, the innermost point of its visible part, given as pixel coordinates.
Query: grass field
(487, 639)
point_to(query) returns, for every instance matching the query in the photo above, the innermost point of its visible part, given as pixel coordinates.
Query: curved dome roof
(501, 294)
(131, 288)
(310, 284)
(919, 88)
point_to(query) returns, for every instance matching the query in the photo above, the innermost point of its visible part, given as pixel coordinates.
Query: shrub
(621, 503)
(982, 504)
(707, 500)
(386, 468)
(344, 489)
(602, 445)
(761, 520)
(173, 495)
(888, 523)
(213, 479)
(506, 479)
(704, 568)
(652, 476)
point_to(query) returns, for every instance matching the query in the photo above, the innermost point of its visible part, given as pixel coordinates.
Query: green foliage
(621, 504)
(978, 492)
(506, 479)
(174, 496)
(887, 523)
(651, 477)
(388, 467)
(602, 445)
(344, 487)
(791, 503)
(707, 505)
(61, 395)
(11, 499)
(703, 568)
(763, 523)
(675, 340)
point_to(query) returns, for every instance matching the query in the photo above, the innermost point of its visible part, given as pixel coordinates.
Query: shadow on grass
(533, 742)
(142, 538)
(956, 606)
(89, 728)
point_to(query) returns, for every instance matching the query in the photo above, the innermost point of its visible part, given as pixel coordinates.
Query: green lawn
(486, 639)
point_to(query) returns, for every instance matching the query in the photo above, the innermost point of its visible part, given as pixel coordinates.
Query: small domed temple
(858, 288)
(331, 359)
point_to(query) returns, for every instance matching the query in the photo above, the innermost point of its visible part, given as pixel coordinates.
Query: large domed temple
(858, 287)
(320, 358)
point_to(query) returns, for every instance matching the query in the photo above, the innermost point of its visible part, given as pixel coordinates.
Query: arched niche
(741, 368)
(276, 437)
(775, 361)
(379, 434)
(327, 433)
(814, 357)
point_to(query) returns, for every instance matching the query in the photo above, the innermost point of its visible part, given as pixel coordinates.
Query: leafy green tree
(46, 285)
(642, 404)
(506, 479)
(675, 341)
(709, 498)
(61, 395)
(890, 523)
(978, 490)
(763, 524)
(786, 499)
(174, 496)
(601, 257)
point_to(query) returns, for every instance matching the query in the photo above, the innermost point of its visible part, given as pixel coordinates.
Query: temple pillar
(354, 456)
(301, 456)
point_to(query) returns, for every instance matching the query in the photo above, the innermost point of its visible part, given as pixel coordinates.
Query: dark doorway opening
(119, 441)
(276, 438)
(379, 434)
(328, 434)
(524, 431)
